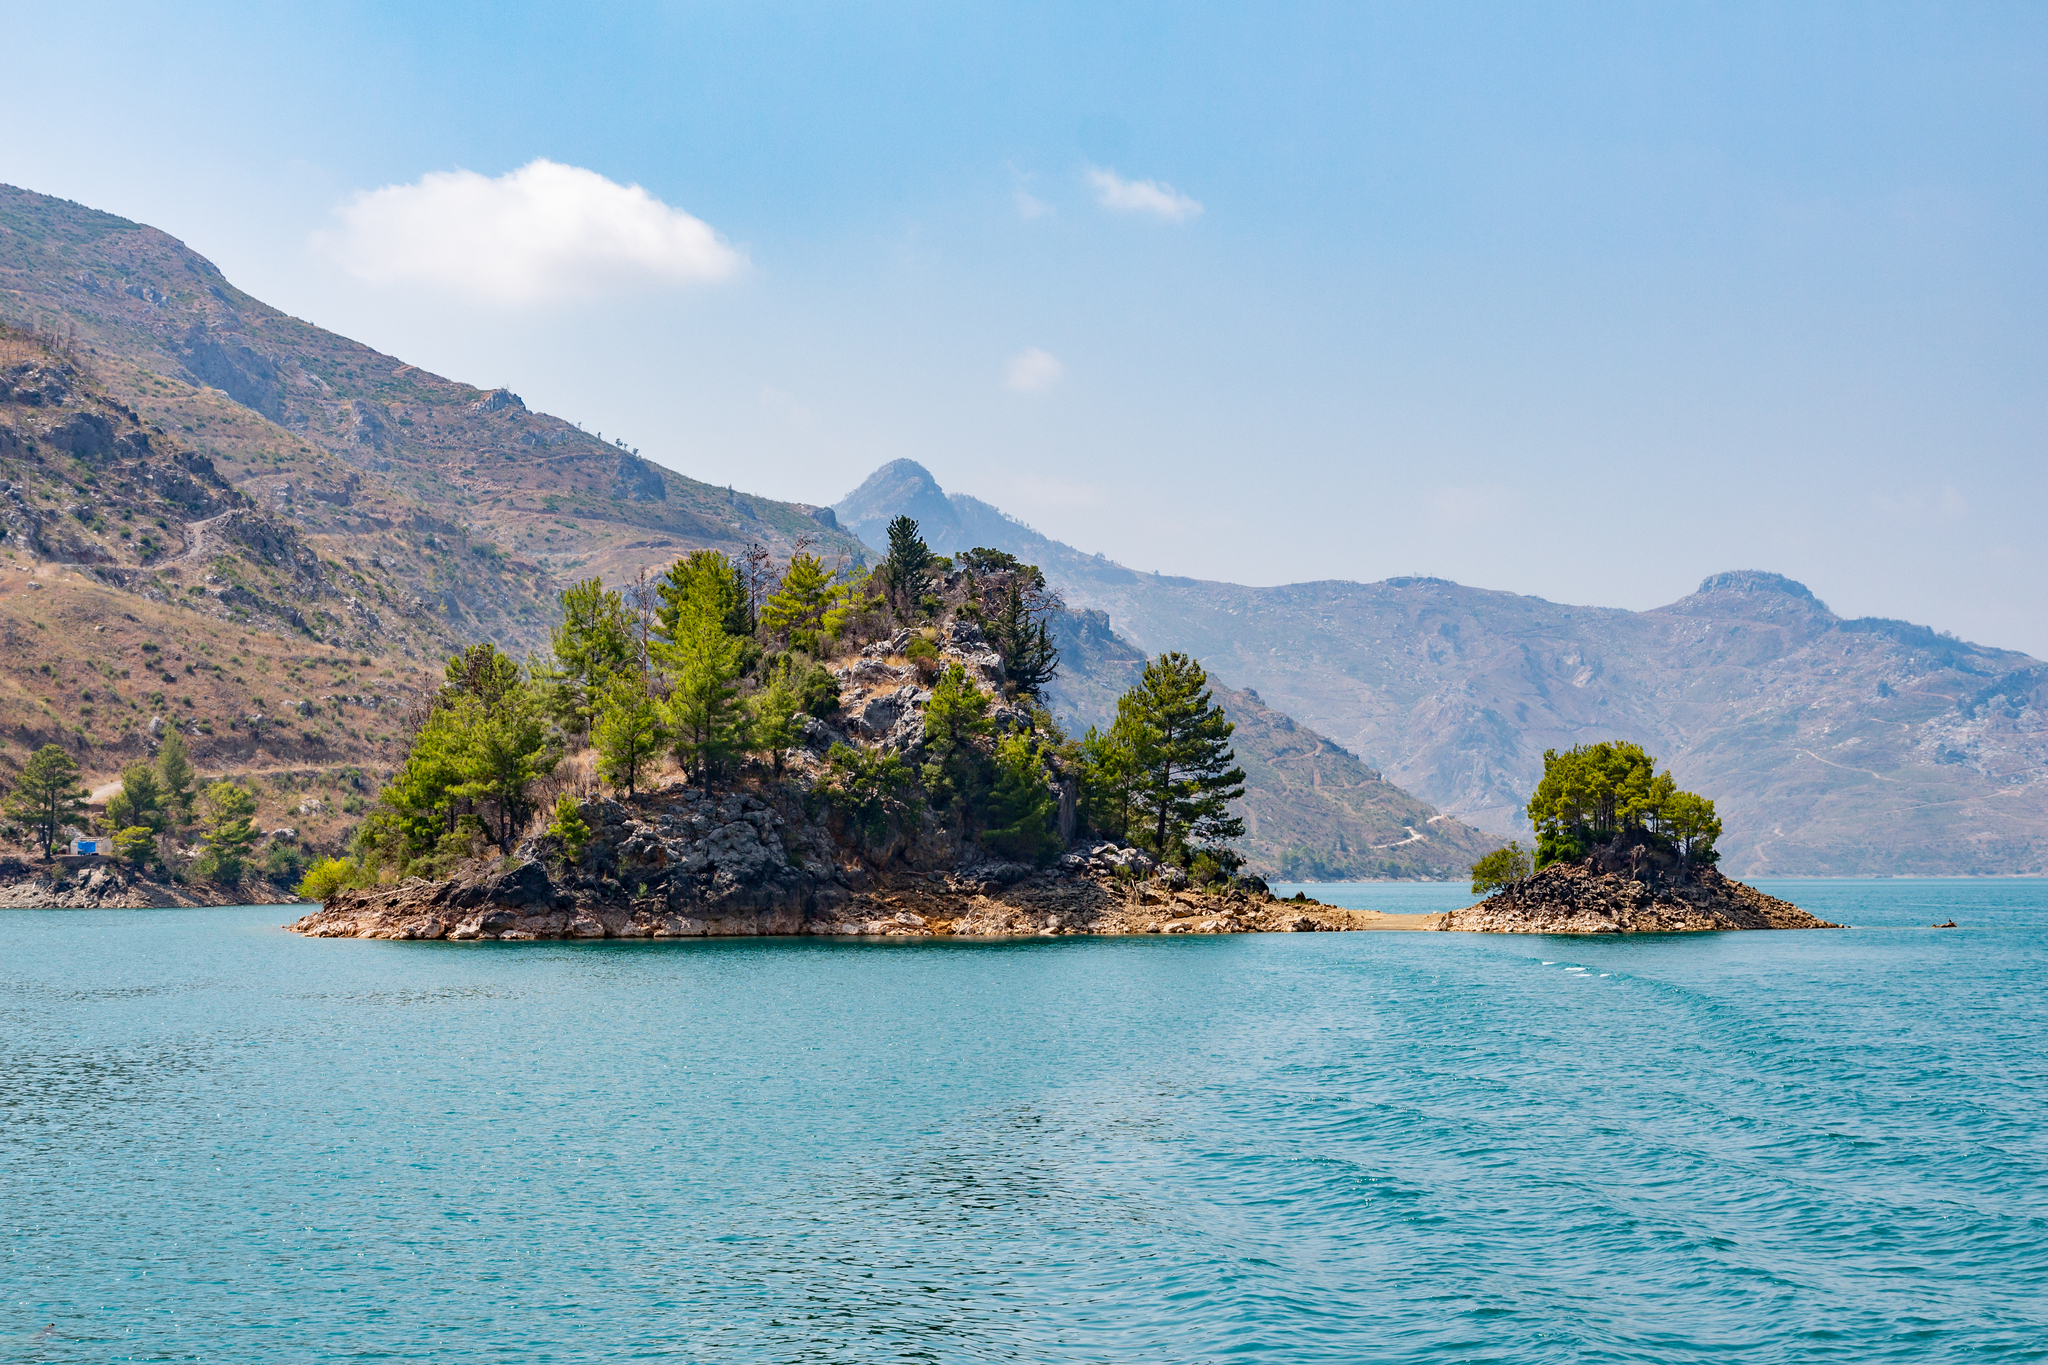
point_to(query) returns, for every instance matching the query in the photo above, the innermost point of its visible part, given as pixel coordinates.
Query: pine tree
(140, 800)
(174, 769)
(47, 796)
(1021, 805)
(702, 710)
(1185, 774)
(775, 712)
(907, 571)
(1021, 632)
(595, 640)
(228, 814)
(704, 573)
(797, 610)
(628, 732)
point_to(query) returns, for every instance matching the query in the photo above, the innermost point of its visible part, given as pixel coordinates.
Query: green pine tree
(704, 662)
(595, 640)
(704, 573)
(907, 572)
(627, 733)
(227, 815)
(175, 777)
(47, 796)
(1021, 805)
(1186, 776)
(797, 611)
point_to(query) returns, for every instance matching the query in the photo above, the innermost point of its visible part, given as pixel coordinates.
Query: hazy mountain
(1312, 810)
(1832, 746)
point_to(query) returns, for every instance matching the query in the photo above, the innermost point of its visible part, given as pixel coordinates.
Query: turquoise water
(219, 1142)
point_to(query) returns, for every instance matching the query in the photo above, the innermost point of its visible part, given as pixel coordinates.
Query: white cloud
(541, 233)
(1032, 371)
(1119, 195)
(1030, 205)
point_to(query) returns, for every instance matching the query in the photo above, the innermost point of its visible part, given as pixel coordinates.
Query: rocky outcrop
(1580, 898)
(107, 886)
(682, 863)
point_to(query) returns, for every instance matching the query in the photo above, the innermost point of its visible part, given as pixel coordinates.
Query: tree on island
(904, 576)
(1167, 763)
(1594, 795)
(627, 733)
(1500, 867)
(47, 796)
(594, 641)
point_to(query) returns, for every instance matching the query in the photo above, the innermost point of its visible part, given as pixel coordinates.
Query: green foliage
(568, 825)
(704, 575)
(702, 711)
(985, 562)
(175, 777)
(1500, 867)
(799, 609)
(1021, 804)
(772, 724)
(1177, 750)
(283, 864)
(1593, 794)
(484, 743)
(227, 818)
(1109, 776)
(47, 796)
(594, 641)
(924, 657)
(326, 876)
(1207, 869)
(1021, 631)
(135, 845)
(906, 574)
(140, 800)
(627, 732)
(956, 771)
(866, 785)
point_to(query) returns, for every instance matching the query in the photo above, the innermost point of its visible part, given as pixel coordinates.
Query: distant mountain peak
(1757, 580)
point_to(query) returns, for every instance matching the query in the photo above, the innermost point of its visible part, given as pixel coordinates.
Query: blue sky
(1582, 301)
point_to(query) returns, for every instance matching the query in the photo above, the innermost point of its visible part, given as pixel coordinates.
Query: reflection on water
(223, 1143)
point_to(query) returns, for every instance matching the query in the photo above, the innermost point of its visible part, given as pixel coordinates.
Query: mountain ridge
(1834, 747)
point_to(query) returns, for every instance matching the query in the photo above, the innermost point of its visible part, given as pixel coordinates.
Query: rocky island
(859, 752)
(1620, 849)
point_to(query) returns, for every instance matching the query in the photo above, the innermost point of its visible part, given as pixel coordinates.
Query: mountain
(1312, 810)
(1831, 746)
(220, 517)
(484, 507)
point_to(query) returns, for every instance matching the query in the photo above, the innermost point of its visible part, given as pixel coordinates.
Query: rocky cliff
(684, 863)
(1587, 898)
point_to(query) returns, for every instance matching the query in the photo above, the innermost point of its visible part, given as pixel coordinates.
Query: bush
(568, 826)
(1500, 867)
(328, 876)
(924, 657)
(283, 864)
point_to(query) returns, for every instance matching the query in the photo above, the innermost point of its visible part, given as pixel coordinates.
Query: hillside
(139, 591)
(484, 508)
(1312, 810)
(1833, 746)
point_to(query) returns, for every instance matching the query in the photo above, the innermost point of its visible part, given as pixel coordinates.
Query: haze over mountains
(422, 512)
(314, 515)
(1833, 747)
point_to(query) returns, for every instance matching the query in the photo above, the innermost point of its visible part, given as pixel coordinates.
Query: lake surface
(219, 1142)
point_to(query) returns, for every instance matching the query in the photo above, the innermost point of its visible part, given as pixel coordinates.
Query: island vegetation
(732, 675)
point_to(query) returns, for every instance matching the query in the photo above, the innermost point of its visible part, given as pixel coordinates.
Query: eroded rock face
(683, 864)
(1577, 898)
